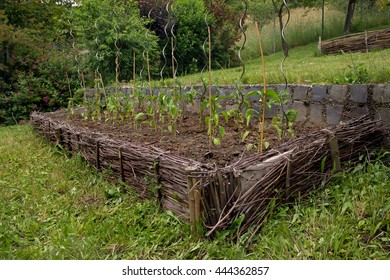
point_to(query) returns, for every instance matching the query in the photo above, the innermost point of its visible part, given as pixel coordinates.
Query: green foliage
(356, 74)
(225, 16)
(35, 74)
(37, 18)
(284, 122)
(110, 29)
(191, 31)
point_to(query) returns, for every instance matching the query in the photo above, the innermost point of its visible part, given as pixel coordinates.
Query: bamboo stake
(150, 91)
(133, 73)
(210, 96)
(116, 75)
(261, 142)
(69, 88)
(104, 89)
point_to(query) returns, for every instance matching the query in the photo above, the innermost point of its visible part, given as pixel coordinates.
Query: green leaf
(273, 96)
(266, 144)
(221, 131)
(248, 116)
(245, 135)
(216, 141)
(237, 222)
(216, 119)
(292, 115)
(204, 104)
(323, 161)
(170, 128)
(252, 93)
(139, 116)
(226, 116)
(249, 147)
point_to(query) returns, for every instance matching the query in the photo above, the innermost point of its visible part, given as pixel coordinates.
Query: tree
(112, 30)
(348, 19)
(191, 31)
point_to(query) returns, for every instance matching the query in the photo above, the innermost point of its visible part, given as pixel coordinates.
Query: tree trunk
(348, 20)
(279, 11)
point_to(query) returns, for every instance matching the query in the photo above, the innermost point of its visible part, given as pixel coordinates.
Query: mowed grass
(54, 206)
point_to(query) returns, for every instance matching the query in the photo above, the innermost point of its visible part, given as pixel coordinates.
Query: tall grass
(303, 28)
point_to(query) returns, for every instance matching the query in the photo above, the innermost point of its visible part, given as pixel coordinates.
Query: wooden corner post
(194, 200)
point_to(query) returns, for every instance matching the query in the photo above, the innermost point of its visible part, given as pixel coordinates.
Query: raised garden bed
(170, 158)
(213, 193)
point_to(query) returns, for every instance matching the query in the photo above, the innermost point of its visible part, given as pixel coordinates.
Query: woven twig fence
(365, 41)
(217, 197)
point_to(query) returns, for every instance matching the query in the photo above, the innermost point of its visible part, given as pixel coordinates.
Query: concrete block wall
(329, 104)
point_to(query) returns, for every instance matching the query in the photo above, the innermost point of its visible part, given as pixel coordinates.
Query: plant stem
(261, 142)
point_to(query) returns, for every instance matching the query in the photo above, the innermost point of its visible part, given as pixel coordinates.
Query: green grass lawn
(304, 66)
(54, 206)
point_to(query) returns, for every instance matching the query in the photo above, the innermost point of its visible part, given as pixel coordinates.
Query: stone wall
(330, 104)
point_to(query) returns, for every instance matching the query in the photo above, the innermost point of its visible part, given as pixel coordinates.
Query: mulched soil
(190, 141)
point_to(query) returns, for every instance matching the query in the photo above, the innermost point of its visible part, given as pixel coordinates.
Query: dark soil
(190, 140)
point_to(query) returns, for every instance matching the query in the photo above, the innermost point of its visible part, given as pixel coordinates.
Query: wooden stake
(121, 165)
(197, 200)
(288, 176)
(191, 199)
(210, 96)
(97, 156)
(157, 179)
(194, 199)
(69, 140)
(335, 152)
(59, 136)
(261, 142)
(78, 142)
